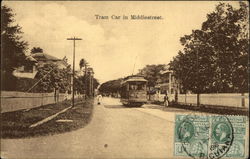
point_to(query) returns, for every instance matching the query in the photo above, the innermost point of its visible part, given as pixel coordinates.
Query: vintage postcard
(124, 79)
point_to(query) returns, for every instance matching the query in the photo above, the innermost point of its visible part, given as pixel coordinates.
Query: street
(114, 132)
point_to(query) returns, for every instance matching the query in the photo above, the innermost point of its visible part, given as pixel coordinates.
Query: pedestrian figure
(99, 99)
(166, 100)
(56, 94)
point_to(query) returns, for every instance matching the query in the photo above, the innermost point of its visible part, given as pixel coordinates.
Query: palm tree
(84, 63)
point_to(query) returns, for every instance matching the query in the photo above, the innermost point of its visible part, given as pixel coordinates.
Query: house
(28, 70)
(43, 58)
(168, 85)
(36, 60)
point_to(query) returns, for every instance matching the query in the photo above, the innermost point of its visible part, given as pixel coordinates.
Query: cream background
(110, 46)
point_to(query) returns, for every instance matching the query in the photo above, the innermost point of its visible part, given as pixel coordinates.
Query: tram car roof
(133, 78)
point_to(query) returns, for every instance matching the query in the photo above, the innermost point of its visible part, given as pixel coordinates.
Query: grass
(16, 124)
(209, 109)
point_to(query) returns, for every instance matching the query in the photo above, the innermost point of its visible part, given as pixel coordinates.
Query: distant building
(28, 70)
(36, 60)
(43, 58)
(168, 85)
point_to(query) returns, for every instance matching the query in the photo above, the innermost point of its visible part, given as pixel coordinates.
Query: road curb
(49, 118)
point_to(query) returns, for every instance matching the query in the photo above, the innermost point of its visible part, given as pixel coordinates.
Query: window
(137, 86)
(142, 87)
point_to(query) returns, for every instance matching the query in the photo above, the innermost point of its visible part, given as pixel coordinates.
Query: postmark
(210, 136)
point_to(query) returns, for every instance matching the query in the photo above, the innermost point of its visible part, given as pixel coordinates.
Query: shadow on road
(167, 109)
(115, 106)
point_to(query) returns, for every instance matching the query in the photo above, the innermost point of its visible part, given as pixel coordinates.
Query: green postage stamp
(211, 136)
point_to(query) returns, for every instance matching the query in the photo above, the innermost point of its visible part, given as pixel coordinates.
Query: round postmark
(202, 139)
(222, 137)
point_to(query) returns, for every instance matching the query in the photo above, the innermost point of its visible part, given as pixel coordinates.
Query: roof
(142, 80)
(30, 58)
(44, 57)
(135, 78)
(166, 71)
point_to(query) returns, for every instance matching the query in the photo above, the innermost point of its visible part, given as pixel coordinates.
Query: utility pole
(197, 84)
(91, 82)
(196, 43)
(73, 81)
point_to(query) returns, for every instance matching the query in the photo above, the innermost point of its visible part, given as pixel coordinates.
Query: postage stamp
(210, 136)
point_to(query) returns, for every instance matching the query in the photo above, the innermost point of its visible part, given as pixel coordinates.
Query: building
(43, 58)
(169, 85)
(36, 60)
(28, 70)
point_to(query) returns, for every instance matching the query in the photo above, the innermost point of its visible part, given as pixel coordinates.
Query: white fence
(217, 99)
(12, 101)
(160, 97)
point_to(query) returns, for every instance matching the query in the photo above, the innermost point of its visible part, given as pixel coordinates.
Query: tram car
(133, 91)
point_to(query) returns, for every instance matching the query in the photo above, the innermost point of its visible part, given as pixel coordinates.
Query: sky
(115, 48)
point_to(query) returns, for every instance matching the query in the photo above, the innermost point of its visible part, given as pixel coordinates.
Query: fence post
(185, 98)
(198, 99)
(242, 100)
(42, 99)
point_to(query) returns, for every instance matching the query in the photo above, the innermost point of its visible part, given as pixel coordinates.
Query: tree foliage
(152, 74)
(13, 47)
(95, 83)
(36, 50)
(82, 82)
(83, 64)
(112, 86)
(81, 86)
(53, 78)
(215, 58)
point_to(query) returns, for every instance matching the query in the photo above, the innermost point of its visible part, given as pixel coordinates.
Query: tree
(215, 58)
(83, 82)
(95, 83)
(65, 59)
(12, 47)
(83, 64)
(36, 50)
(80, 85)
(152, 73)
(53, 77)
(112, 86)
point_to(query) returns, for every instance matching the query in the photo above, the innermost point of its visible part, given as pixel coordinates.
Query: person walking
(99, 99)
(166, 100)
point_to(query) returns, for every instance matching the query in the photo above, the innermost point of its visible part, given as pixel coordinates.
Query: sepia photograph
(124, 79)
